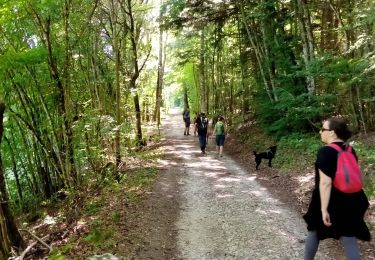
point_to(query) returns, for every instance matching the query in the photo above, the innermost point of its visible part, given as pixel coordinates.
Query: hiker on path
(201, 126)
(194, 122)
(219, 133)
(333, 213)
(186, 118)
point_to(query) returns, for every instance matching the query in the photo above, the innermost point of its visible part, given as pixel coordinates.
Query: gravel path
(224, 212)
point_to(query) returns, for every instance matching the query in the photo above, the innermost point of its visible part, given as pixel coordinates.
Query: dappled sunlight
(197, 173)
(269, 211)
(251, 178)
(184, 146)
(261, 211)
(167, 163)
(217, 167)
(230, 179)
(48, 220)
(305, 179)
(204, 165)
(257, 193)
(225, 196)
(185, 156)
(271, 200)
(220, 186)
(173, 149)
(213, 174)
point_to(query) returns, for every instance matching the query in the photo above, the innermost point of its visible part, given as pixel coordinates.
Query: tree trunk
(9, 234)
(307, 42)
(202, 78)
(134, 38)
(68, 140)
(116, 52)
(186, 98)
(160, 80)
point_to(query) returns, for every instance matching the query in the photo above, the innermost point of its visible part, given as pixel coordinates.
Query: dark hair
(221, 118)
(340, 127)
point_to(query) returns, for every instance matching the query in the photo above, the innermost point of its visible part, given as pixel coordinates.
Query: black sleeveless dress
(346, 209)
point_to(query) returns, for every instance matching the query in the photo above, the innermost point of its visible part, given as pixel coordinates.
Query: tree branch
(40, 240)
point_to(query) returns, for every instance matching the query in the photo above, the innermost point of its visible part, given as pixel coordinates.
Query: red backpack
(348, 177)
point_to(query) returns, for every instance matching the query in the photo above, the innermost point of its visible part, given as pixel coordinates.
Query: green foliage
(93, 207)
(58, 254)
(116, 217)
(143, 177)
(100, 237)
(366, 158)
(293, 114)
(25, 57)
(297, 151)
(170, 11)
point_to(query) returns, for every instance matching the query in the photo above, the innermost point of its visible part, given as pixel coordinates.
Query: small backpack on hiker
(186, 116)
(202, 126)
(348, 177)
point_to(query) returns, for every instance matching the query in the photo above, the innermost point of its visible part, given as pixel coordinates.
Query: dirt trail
(208, 207)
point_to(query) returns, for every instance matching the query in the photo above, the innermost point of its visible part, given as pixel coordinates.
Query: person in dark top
(201, 126)
(186, 118)
(332, 213)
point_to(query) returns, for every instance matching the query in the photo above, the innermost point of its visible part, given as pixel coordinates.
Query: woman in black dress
(332, 213)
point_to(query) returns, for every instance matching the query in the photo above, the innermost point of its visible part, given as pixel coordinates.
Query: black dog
(265, 155)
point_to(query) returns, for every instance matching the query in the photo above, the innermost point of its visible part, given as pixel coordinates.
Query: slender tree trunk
(202, 78)
(362, 122)
(134, 37)
(69, 160)
(160, 80)
(245, 93)
(117, 85)
(186, 98)
(307, 42)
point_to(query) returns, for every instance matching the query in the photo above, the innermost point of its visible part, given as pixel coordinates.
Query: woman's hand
(326, 218)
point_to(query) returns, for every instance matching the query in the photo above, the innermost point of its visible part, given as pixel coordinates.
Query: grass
(116, 217)
(100, 237)
(93, 207)
(58, 254)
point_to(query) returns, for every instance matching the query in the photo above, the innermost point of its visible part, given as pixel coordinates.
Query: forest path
(224, 213)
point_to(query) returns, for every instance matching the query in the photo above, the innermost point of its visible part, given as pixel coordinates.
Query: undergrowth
(105, 209)
(296, 153)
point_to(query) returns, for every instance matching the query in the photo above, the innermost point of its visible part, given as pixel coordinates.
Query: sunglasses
(324, 129)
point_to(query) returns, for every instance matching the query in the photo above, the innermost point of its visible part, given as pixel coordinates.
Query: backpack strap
(348, 147)
(335, 146)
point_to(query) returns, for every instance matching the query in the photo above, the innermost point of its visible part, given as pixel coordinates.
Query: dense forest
(81, 80)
